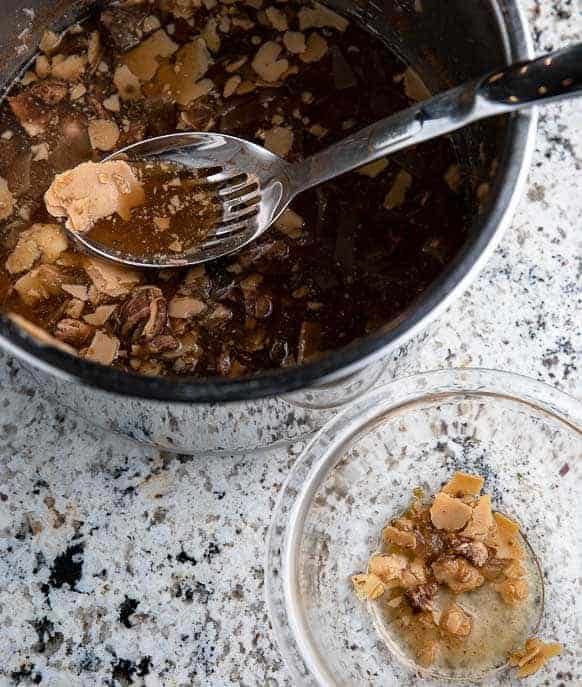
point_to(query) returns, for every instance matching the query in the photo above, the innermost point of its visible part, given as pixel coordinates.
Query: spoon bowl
(247, 182)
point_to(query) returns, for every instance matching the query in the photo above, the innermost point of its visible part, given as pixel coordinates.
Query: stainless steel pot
(446, 42)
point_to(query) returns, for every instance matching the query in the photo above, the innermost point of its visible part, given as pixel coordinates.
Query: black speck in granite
(183, 557)
(22, 531)
(49, 639)
(211, 551)
(536, 193)
(126, 610)
(143, 667)
(26, 675)
(124, 671)
(188, 592)
(68, 567)
(561, 148)
(158, 516)
(119, 470)
(202, 592)
(237, 593)
(38, 485)
(9, 429)
(89, 662)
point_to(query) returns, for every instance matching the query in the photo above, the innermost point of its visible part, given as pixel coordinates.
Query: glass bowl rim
(290, 627)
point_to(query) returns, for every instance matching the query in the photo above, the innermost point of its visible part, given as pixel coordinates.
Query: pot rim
(505, 194)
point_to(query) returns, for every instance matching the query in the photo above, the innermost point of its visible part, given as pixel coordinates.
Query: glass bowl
(359, 472)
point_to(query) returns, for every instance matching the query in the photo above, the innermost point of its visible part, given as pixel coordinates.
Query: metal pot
(446, 43)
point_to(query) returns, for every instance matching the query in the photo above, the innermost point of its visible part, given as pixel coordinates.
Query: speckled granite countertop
(121, 565)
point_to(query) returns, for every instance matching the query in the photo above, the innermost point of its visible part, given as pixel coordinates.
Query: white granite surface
(124, 566)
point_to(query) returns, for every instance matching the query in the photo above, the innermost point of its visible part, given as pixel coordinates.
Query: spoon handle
(546, 79)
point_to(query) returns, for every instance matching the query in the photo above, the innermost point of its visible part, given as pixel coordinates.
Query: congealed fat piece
(231, 85)
(103, 134)
(534, 656)
(456, 621)
(210, 35)
(41, 240)
(94, 49)
(78, 291)
(315, 49)
(397, 193)
(127, 84)
(49, 42)
(513, 590)
(183, 80)
(69, 68)
(463, 484)
(183, 307)
(101, 315)
(319, 16)
(388, 567)
(144, 60)
(6, 200)
(372, 169)
(448, 513)
(39, 284)
(506, 538)
(393, 535)
(458, 574)
(103, 348)
(294, 42)
(267, 64)
(277, 18)
(110, 279)
(368, 586)
(290, 223)
(414, 86)
(481, 519)
(279, 140)
(181, 9)
(92, 191)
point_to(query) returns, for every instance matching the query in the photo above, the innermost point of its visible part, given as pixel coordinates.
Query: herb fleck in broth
(348, 258)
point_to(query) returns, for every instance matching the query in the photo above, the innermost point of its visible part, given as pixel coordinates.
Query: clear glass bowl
(359, 471)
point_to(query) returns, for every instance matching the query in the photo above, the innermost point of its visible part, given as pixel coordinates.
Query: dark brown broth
(356, 266)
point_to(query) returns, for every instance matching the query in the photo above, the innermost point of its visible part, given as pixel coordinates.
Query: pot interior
(445, 44)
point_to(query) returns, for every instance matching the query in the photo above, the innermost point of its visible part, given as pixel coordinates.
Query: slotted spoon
(254, 186)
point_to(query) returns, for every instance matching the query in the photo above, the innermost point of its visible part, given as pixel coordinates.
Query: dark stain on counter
(124, 671)
(68, 567)
(126, 610)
